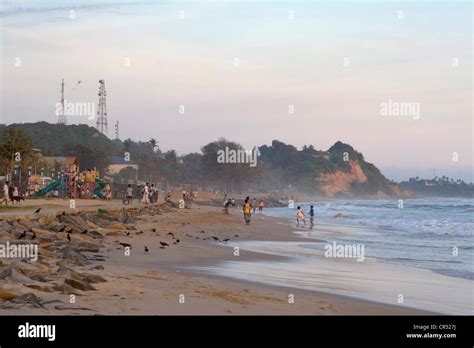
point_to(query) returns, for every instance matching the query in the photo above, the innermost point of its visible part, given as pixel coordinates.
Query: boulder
(79, 284)
(73, 256)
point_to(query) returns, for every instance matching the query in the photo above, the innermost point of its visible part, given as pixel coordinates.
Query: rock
(64, 289)
(116, 226)
(93, 278)
(73, 256)
(79, 284)
(339, 215)
(88, 247)
(97, 267)
(38, 287)
(77, 223)
(29, 298)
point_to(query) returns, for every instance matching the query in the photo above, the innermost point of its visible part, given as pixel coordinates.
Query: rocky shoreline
(64, 242)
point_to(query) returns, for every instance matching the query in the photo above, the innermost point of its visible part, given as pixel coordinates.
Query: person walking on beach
(10, 192)
(254, 205)
(5, 193)
(311, 217)
(227, 205)
(129, 194)
(299, 216)
(145, 197)
(260, 206)
(247, 211)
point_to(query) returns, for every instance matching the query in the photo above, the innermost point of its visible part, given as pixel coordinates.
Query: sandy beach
(162, 280)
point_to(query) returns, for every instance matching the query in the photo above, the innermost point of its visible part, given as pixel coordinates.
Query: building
(119, 163)
(68, 164)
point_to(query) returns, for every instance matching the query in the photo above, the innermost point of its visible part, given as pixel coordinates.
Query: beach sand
(158, 282)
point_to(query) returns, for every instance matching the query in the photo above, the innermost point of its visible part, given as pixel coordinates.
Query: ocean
(423, 252)
(430, 233)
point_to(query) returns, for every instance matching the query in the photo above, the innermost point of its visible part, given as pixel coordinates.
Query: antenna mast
(102, 110)
(62, 116)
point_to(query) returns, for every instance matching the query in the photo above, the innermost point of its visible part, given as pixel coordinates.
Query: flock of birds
(163, 245)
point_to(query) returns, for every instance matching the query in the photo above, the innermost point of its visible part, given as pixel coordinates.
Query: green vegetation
(439, 187)
(280, 166)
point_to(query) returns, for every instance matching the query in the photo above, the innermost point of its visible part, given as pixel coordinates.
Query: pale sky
(288, 53)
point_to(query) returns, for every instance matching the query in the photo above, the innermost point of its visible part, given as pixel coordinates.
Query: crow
(128, 233)
(163, 244)
(37, 211)
(68, 237)
(23, 235)
(153, 230)
(177, 241)
(146, 249)
(226, 240)
(215, 238)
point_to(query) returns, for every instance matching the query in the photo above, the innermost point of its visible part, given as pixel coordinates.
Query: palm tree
(153, 143)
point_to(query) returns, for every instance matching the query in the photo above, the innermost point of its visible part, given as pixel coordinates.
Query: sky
(302, 72)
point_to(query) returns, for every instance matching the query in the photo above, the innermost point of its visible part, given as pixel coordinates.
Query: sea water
(430, 233)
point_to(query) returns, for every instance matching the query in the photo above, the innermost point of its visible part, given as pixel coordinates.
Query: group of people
(249, 208)
(149, 194)
(10, 193)
(301, 218)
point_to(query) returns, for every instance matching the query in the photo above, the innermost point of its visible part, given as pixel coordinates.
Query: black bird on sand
(215, 238)
(177, 241)
(163, 244)
(146, 249)
(68, 237)
(170, 234)
(226, 240)
(128, 233)
(64, 212)
(23, 235)
(236, 235)
(125, 245)
(37, 210)
(153, 230)
(85, 231)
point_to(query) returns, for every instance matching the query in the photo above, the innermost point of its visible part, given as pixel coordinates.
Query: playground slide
(98, 190)
(49, 188)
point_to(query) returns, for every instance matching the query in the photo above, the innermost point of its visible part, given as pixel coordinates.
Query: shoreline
(151, 283)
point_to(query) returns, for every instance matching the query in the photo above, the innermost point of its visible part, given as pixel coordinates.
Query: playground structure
(87, 184)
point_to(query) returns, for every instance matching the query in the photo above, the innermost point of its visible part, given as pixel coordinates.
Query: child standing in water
(311, 217)
(299, 216)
